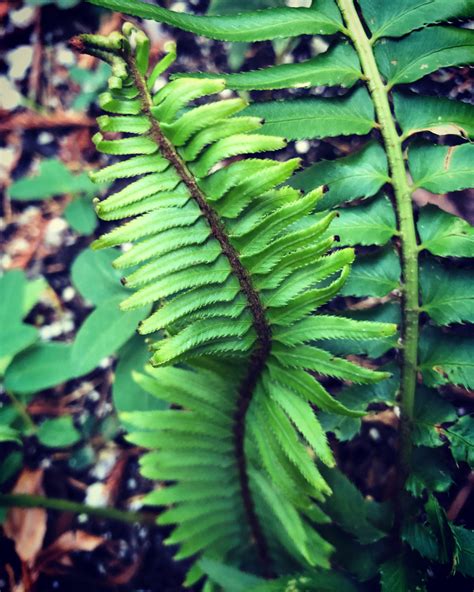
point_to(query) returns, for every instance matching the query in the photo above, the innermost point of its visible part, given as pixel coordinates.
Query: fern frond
(234, 266)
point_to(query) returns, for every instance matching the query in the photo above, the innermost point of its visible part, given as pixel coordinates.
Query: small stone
(302, 146)
(68, 294)
(54, 231)
(64, 56)
(374, 434)
(93, 396)
(299, 3)
(10, 98)
(226, 93)
(23, 17)
(45, 138)
(7, 158)
(96, 495)
(179, 7)
(19, 60)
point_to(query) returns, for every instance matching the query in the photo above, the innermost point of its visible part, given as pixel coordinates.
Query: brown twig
(30, 120)
(461, 498)
(34, 82)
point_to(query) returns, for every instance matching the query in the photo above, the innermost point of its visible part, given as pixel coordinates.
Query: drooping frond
(235, 266)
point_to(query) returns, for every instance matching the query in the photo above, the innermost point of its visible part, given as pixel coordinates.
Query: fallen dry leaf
(27, 527)
(59, 551)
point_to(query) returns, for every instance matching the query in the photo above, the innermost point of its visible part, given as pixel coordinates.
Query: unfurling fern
(235, 266)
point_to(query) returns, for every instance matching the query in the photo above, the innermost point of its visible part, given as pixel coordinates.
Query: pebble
(68, 294)
(105, 363)
(298, 3)
(93, 395)
(23, 17)
(64, 56)
(19, 60)
(226, 93)
(96, 495)
(374, 434)
(105, 463)
(302, 146)
(319, 45)
(54, 231)
(28, 215)
(48, 332)
(178, 7)
(45, 138)
(10, 98)
(7, 158)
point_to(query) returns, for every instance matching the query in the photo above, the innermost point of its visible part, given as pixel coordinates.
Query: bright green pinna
(235, 264)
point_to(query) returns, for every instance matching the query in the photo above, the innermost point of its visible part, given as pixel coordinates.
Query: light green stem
(22, 412)
(406, 225)
(24, 500)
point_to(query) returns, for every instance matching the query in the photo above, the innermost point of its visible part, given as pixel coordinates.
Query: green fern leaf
(442, 168)
(367, 224)
(440, 116)
(249, 26)
(230, 262)
(337, 66)
(445, 235)
(361, 174)
(374, 275)
(423, 52)
(447, 294)
(316, 118)
(387, 19)
(446, 359)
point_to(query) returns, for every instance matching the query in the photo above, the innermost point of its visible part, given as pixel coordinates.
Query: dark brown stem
(262, 349)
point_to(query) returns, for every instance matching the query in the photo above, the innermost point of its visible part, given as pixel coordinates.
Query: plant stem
(406, 227)
(24, 500)
(22, 412)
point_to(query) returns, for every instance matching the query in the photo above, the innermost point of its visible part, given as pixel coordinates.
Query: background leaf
(58, 432)
(94, 277)
(40, 367)
(104, 331)
(80, 216)
(127, 394)
(53, 178)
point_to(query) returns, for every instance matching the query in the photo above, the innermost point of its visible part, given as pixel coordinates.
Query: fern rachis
(231, 263)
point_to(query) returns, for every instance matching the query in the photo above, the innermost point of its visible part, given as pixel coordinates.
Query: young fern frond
(235, 266)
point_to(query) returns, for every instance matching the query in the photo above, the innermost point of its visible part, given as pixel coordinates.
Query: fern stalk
(262, 348)
(406, 225)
